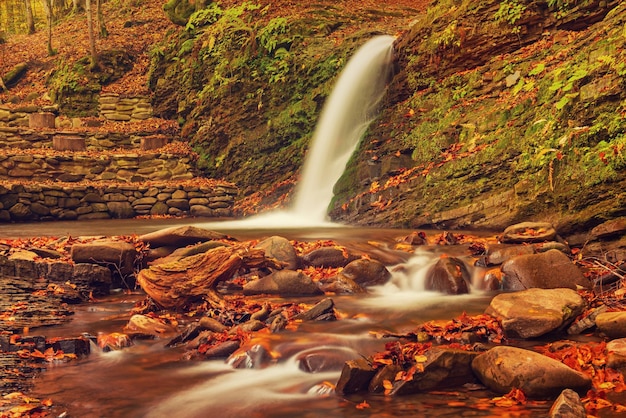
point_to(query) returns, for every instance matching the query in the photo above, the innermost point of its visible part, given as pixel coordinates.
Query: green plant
(511, 11)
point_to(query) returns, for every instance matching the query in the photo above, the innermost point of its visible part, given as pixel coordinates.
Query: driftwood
(175, 284)
(12, 77)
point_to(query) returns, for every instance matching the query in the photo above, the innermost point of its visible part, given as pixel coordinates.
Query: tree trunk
(47, 6)
(77, 6)
(92, 38)
(13, 76)
(175, 284)
(102, 27)
(30, 21)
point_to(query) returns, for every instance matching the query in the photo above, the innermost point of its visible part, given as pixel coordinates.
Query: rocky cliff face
(499, 111)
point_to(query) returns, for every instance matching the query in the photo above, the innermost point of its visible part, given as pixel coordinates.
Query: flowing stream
(150, 380)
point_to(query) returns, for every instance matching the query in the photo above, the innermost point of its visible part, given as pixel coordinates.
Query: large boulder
(497, 254)
(119, 254)
(548, 270)
(180, 236)
(504, 368)
(281, 249)
(365, 272)
(283, 283)
(329, 257)
(535, 312)
(449, 275)
(612, 324)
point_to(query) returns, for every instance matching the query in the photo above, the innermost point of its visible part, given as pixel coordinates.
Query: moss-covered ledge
(76, 201)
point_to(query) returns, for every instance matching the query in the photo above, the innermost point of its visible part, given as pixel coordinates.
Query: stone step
(105, 200)
(45, 165)
(93, 140)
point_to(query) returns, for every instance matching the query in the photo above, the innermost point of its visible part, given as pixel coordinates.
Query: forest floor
(133, 27)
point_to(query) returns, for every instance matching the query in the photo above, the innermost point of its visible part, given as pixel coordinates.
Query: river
(150, 380)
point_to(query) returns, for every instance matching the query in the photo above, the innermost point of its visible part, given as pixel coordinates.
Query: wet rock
(355, 376)
(548, 270)
(504, 368)
(252, 325)
(443, 368)
(414, 238)
(568, 405)
(324, 359)
(281, 249)
(341, 285)
(328, 257)
(283, 283)
(497, 254)
(616, 354)
(222, 350)
(612, 324)
(387, 372)
(366, 272)
(449, 275)
(324, 310)
(79, 346)
(587, 321)
(180, 236)
(145, 325)
(535, 312)
(120, 254)
(528, 232)
(207, 323)
(91, 277)
(256, 357)
(113, 342)
(189, 251)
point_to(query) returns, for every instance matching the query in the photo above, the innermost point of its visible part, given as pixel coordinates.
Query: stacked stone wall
(49, 202)
(119, 108)
(79, 166)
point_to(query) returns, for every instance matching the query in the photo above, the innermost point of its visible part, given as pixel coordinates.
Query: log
(12, 77)
(178, 283)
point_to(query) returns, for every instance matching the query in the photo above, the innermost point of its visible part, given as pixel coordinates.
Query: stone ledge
(68, 201)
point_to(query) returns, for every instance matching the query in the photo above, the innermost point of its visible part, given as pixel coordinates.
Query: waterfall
(352, 105)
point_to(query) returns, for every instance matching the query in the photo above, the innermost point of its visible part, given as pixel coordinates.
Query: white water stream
(351, 107)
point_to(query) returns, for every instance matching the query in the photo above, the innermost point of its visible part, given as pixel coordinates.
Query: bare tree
(77, 6)
(47, 6)
(101, 26)
(92, 38)
(30, 21)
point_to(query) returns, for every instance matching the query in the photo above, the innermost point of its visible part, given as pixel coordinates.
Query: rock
(145, 325)
(210, 324)
(548, 270)
(283, 283)
(324, 310)
(616, 354)
(93, 278)
(281, 249)
(568, 405)
(113, 342)
(328, 257)
(355, 376)
(612, 324)
(68, 143)
(41, 120)
(414, 238)
(497, 254)
(341, 285)
(222, 350)
(120, 210)
(79, 346)
(188, 251)
(323, 359)
(256, 357)
(20, 212)
(180, 236)
(587, 321)
(528, 232)
(387, 372)
(449, 275)
(504, 368)
(366, 272)
(159, 208)
(443, 367)
(200, 211)
(535, 312)
(120, 254)
(609, 229)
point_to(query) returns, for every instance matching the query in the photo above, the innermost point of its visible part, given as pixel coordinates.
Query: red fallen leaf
(363, 405)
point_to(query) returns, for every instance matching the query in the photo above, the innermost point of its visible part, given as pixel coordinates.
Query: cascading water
(351, 107)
